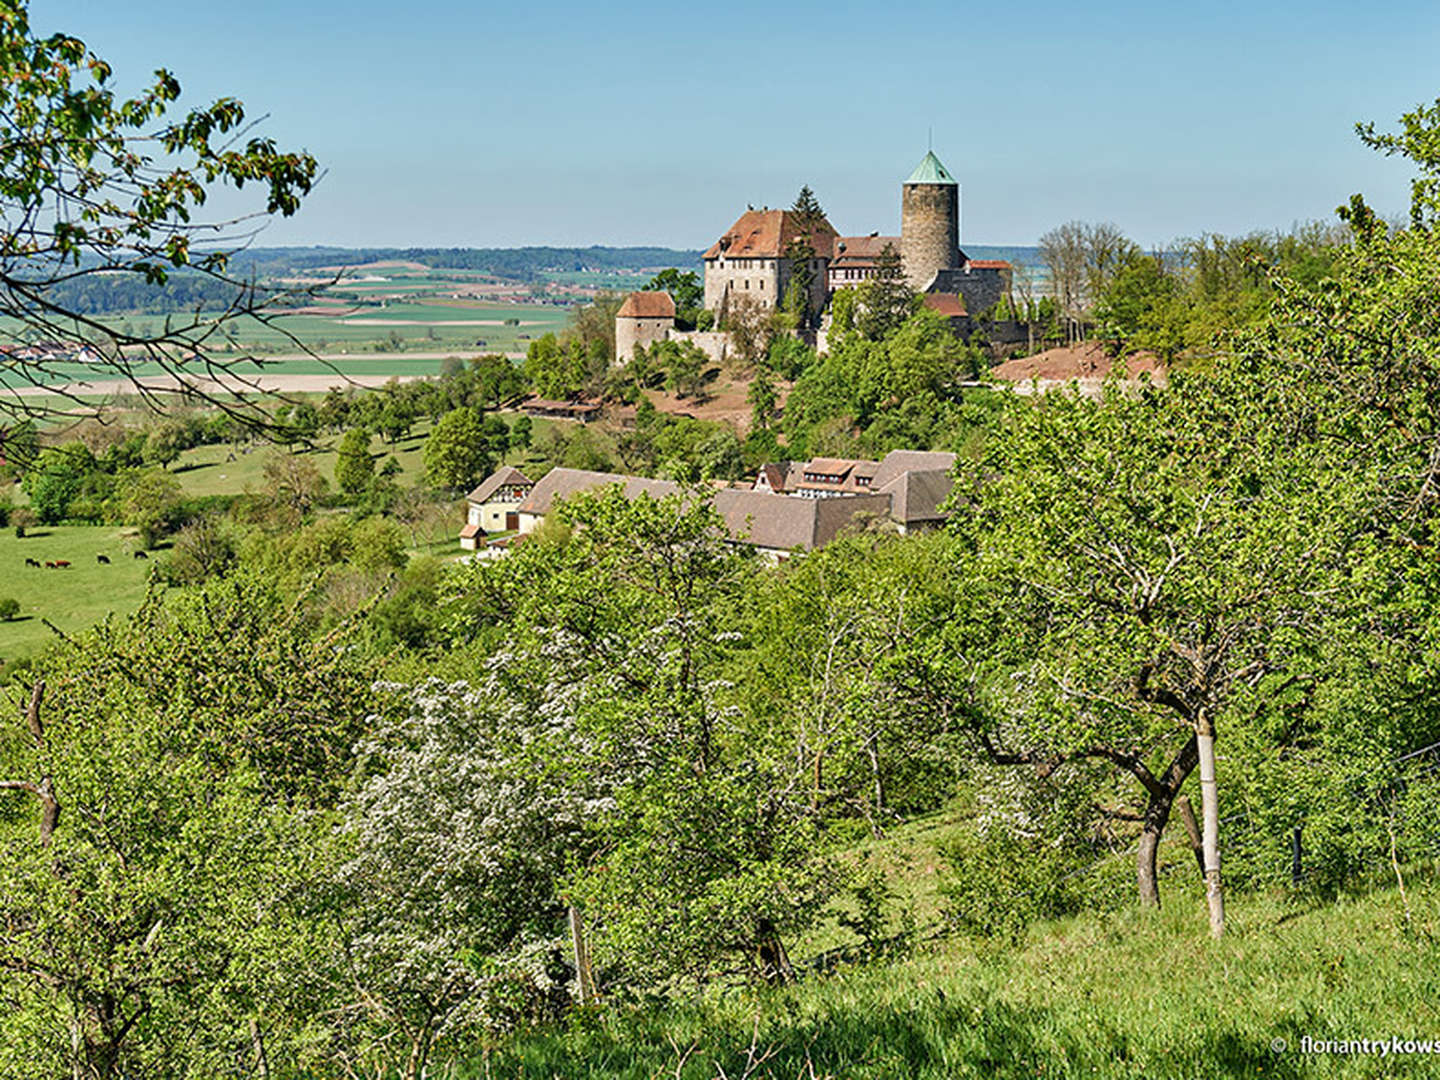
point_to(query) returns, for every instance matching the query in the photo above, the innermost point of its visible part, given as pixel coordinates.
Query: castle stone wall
(759, 279)
(630, 332)
(713, 343)
(929, 230)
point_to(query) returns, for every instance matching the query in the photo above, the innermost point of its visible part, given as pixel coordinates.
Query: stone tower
(929, 222)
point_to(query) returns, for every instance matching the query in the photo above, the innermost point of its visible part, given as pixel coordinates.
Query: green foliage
(97, 184)
(58, 481)
(193, 752)
(560, 370)
(885, 300)
(686, 289)
(9, 608)
(460, 451)
(354, 464)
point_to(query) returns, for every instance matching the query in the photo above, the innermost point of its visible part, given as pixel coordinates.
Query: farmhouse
(495, 506)
(915, 483)
(794, 506)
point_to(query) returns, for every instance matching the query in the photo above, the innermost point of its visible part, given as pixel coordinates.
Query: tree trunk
(1192, 831)
(1157, 814)
(1210, 814)
(770, 956)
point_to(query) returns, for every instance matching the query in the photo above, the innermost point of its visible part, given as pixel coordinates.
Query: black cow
(141, 555)
(32, 562)
(103, 559)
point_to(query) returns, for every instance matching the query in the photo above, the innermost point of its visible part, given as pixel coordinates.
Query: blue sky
(477, 125)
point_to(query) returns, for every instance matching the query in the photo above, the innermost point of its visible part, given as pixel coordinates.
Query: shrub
(9, 608)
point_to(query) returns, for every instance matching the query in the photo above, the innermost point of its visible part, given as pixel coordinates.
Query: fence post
(1297, 869)
(584, 975)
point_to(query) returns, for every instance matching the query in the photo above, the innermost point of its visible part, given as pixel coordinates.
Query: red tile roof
(947, 304)
(988, 264)
(863, 250)
(766, 234)
(647, 305)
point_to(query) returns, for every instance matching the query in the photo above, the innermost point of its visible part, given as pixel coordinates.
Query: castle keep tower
(929, 222)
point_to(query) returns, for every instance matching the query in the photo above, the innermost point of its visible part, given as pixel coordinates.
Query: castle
(754, 259)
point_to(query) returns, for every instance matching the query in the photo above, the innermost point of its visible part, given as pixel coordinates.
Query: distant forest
(117, 292)
(520, 264)
(187, 290)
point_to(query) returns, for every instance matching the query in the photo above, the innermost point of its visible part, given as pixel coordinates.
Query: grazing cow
(62, 564)
(49, 565)
(141, 555)
(32, 562)
(103, 559)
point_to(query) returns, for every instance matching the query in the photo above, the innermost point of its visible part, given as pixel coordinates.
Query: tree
(750, 327)
(56, 479)
(164, 443)
(522, 433)
(885, 300)
(1062, 250)
(9, 608)
(293, 483)
(354, 464)
(150, 500)
(684, 363)
(457, 453)
(685, 289)
(762, 398)
(1142, 308)
(1150, 561)
(807, 210)
(99, 184)
(158, 873)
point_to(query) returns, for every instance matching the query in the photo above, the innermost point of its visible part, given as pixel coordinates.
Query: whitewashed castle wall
(630, 331)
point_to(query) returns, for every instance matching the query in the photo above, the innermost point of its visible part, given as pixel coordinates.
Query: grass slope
(1130, 996)
(74, 598)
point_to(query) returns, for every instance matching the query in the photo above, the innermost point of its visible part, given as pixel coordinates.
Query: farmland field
(74, 598)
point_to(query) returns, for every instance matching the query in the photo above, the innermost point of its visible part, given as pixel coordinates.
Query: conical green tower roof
(930, 171)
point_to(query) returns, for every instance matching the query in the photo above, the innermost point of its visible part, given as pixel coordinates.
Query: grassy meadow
(74, 598)
(88, 591)
(1126, 996)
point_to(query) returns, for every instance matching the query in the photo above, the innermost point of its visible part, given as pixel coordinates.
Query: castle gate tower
(929, 222)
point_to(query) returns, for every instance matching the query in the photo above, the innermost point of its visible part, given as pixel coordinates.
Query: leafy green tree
(556, 371)
(203, 549)
(86, 195)
(685, 365)
(1142, 564)
(293, 484)
(884, 301)
(354, 465)
(457, 453)
(9, 608)
(164, 444)
(157, 870)
(57, 480)
(636, 595)
(497, 378)
(151, 501)
(762, 398)
(522, 432)
(686, 289)
(1142, 308)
